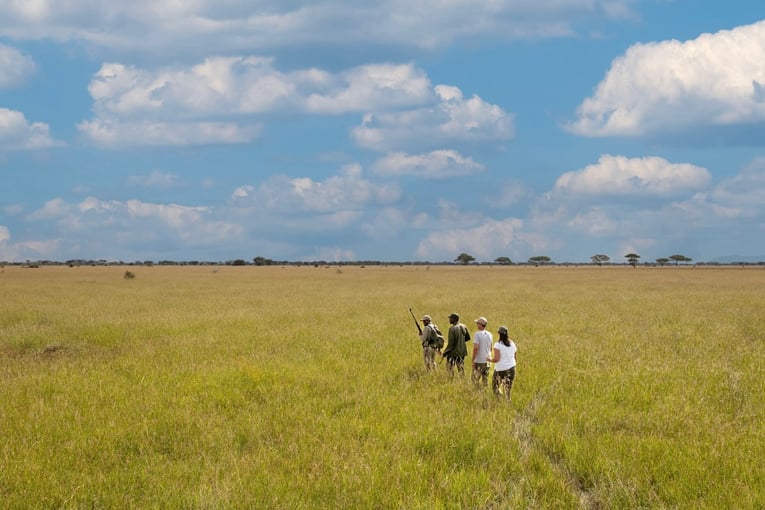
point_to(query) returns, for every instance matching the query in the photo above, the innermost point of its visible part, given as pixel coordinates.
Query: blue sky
(391, 130)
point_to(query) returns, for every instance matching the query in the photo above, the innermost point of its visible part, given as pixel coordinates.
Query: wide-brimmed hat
(502, 330)
(426, 318)
(482, 321)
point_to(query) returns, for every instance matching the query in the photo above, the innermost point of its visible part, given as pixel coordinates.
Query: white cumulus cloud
(452, 119)
(371, 87)
(714, 80)
(219, 100)
(619, 175)
(440, 164)
(17, 133)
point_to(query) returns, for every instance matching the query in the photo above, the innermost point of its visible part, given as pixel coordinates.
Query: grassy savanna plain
(303, 388)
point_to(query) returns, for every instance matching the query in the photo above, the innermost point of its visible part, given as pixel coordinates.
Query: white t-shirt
(483, 340)
(506, 356)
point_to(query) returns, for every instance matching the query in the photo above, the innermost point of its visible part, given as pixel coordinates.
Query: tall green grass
(303, 387)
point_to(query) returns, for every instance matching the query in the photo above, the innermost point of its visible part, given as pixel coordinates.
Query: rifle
(416, 322)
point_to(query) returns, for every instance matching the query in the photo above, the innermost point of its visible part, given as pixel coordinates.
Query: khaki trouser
(481, 373)
(429, 356)
(455, 362)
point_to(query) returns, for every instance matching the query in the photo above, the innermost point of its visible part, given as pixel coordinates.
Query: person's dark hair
(504, 339)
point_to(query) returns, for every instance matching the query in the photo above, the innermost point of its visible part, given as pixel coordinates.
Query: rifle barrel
(416, 322)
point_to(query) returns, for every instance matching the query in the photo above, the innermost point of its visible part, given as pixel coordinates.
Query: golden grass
(303, 387)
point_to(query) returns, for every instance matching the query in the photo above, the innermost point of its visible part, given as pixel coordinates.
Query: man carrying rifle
(428, 339)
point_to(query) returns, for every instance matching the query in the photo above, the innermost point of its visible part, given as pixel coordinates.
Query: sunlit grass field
(208, 387)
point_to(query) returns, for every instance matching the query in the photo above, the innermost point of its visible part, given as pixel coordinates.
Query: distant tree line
(632, 259)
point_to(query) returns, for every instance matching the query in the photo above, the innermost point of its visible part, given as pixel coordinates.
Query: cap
(502, 330)
(454, 316)
(426, 318)
(482, 321)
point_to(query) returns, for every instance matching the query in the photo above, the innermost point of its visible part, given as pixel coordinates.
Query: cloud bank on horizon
(335, 131)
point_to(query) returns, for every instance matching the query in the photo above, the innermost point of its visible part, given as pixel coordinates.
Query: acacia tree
(503, 260)
(539, 260)
(632, 258)
(662, 261)
(600, 259)
(680, 258)
(262, 261)
(464, 259)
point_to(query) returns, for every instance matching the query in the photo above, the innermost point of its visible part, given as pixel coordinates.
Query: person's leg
(509, 378)
(479, 372)
(495, 381)
(474, 374)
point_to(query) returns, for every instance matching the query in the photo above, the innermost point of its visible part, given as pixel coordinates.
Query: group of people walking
(485, 351)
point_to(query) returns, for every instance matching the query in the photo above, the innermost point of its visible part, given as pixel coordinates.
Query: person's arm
(475, 353)
(496, 357)
(450, 341)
